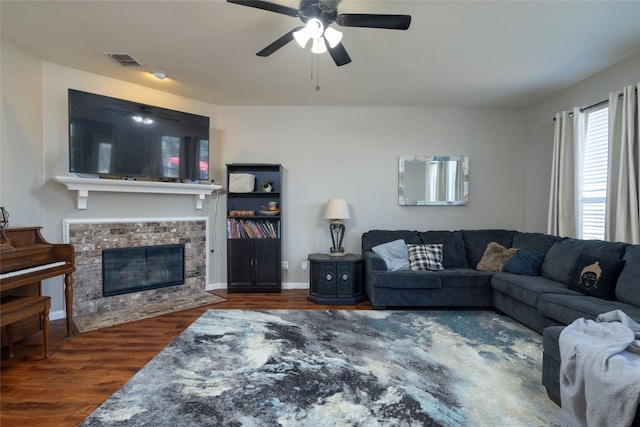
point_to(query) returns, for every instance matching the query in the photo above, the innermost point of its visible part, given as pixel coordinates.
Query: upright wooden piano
(26, 259)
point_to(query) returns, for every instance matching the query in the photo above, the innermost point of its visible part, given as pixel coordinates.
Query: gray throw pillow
(394, 254)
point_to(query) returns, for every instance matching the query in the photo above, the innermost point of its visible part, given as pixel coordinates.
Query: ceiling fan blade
(266, 5)
(278, 43)
(338, 53)
(391, 22)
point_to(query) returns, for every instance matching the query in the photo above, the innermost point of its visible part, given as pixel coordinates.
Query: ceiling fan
(317, 15)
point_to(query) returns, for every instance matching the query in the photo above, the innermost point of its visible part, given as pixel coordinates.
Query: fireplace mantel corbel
(85, 185)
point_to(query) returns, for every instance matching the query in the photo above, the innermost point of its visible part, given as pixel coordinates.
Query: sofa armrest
(374, 262)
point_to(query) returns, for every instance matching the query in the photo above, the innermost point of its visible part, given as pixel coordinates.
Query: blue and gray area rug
(339, 368)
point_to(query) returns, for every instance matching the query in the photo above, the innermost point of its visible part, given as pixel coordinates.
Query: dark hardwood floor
(85, 370)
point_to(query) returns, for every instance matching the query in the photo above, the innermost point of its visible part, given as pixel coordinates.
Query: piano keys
(26, 259)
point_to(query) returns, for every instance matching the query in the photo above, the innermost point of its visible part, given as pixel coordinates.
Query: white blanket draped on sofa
(600, 371)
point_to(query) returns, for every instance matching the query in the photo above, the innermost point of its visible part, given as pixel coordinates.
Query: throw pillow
(494, 257)
(426, 257)
(394, 254)
(596, 276)
(526, 263)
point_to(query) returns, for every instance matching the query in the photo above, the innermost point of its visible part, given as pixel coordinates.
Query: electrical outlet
(285, 265)
(305, 265)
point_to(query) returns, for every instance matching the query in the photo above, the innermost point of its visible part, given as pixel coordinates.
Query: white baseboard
(57, 315)
(294, 285)
(285, 285)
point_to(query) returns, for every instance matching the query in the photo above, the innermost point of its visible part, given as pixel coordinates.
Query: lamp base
(337, 253)
(336, 227)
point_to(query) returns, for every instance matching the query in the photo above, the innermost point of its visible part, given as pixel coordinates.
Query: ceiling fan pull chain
(317, 73)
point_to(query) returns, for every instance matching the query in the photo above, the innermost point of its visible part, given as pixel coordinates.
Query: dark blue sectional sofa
(544, 302)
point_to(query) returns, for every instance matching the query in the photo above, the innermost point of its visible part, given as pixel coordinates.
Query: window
(594, 154)
(170, 156)
(104, 157)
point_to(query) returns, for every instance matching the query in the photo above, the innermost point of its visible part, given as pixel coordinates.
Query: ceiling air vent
(124, 59)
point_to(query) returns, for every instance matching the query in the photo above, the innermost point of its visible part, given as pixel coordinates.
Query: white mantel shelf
(84, 185)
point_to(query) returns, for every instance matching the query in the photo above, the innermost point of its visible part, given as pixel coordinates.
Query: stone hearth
(89, 238)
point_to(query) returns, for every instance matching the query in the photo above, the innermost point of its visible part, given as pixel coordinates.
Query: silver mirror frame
(416, 185)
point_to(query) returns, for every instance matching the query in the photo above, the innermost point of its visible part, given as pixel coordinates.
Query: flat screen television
(115, 138)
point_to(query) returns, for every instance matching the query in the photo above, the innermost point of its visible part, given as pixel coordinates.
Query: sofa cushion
(425, 257)
(476, 242)
(560, 261)
(376, 237)
(494, 257)
(453, 249)
(524, 262)
(527, 289)
(534, 242)
(394, 254)
(596, 276)
(406, 279)
(466, 278)
(567, 308)
(628, 287)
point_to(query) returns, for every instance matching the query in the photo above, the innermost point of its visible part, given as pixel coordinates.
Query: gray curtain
(563, 206)
(622, 217)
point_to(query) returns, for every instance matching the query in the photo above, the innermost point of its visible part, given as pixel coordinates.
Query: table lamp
(336, 211)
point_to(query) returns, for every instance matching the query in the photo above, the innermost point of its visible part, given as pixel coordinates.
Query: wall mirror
(437, 180)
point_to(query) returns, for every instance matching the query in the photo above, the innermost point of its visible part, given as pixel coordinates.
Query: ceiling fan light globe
(315, 28)
(332, 36)
(302, 36)
(318, 46)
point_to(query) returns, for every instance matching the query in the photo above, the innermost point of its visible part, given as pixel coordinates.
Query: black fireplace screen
(126, 270)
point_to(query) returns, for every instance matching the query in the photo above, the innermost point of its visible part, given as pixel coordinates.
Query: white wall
(540, 132)
(21, 148)
(352, 153)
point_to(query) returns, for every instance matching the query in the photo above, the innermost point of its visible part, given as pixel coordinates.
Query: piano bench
(15, 308)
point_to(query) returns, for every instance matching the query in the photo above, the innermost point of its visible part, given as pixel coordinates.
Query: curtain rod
(597, 104)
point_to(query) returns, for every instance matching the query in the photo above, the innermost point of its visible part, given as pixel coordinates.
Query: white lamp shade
(332, 36)
(318, 46)
(337, 209)
(312, 30)
(302, 36)
(315, 28)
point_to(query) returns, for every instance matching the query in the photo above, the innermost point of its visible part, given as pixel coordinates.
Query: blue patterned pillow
(426, 257)
(394, 254)
(526, 263)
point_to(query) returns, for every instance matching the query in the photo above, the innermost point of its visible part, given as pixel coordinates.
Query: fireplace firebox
(127, 270)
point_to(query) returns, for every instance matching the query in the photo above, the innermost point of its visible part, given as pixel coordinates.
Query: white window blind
(593, 173)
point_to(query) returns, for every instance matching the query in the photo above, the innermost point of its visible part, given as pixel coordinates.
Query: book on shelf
(252, 229)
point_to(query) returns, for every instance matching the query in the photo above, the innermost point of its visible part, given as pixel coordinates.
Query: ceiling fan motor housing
(310, 9)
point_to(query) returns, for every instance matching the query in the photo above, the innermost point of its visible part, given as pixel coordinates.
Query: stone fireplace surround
(90, 237)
